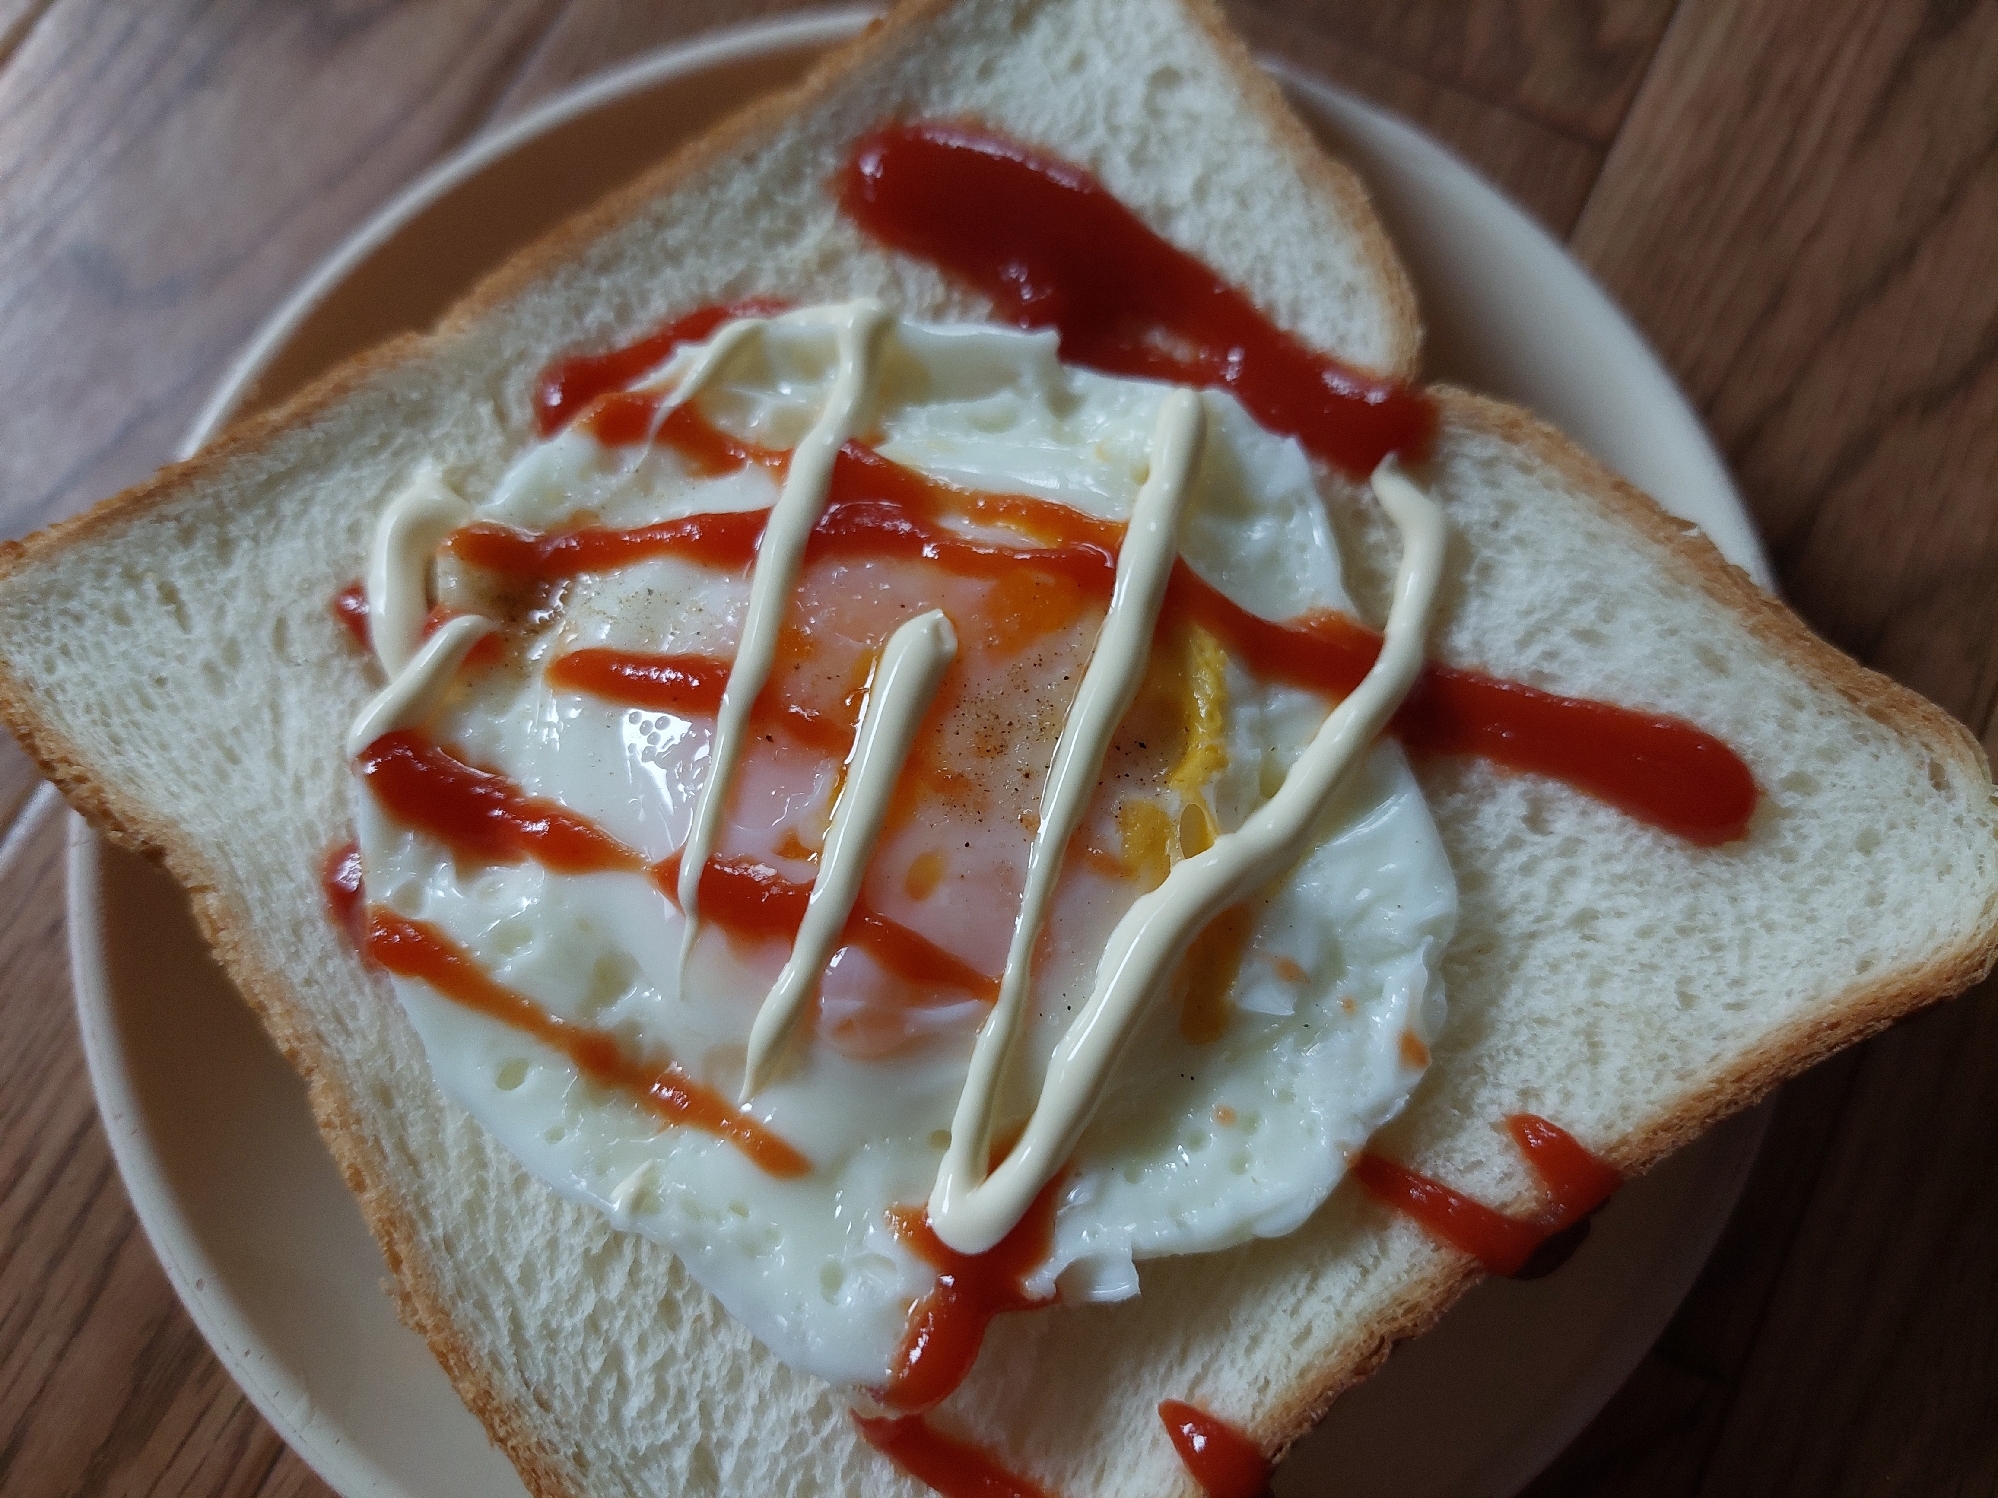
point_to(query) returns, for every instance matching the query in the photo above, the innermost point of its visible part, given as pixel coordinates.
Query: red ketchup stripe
(1054, 249)
(726, 541)
(1660, 770)
(350, 611)
(629, 417)
(346, 898)
(1501, 1245)
(568, 386)
(875, 508)
(878, 508)
(486, 816)
(481, 814)
(753, 899)
(689, 686)
(954, 1467)
(1226, 1463)
(947, 1326)
(1577, 1181)
(414, 949)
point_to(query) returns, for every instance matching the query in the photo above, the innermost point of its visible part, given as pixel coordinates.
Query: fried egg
(1297, 1025)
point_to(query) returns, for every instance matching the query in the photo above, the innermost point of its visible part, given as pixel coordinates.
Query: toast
(1631, 986)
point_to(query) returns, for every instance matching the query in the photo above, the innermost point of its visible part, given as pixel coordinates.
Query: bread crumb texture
(181, 675)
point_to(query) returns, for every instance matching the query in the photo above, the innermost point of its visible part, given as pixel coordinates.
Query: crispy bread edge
(1329, 175)
(1333, 178)
(228, 927)
(1863, 1010)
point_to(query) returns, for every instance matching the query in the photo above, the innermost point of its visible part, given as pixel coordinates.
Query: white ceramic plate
(210, 1126)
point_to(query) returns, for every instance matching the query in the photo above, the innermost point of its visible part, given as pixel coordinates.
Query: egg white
(1192, 1148)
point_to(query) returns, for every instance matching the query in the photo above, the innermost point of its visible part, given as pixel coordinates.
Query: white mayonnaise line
(1116, 669)
(416, 691)
(398, 582)
(905, 682)
(857, 327)
(700, 368)
(1154, 934)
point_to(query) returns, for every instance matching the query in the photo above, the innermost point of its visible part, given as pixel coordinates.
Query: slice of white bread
(170, 661)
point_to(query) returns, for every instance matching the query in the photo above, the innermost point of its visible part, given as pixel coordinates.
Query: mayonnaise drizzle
(415, 692)
(905, 683)
(1116, 669)
(971, 1212)
(398, 581)
(970, 1208)
(398, 594)
(858, 327)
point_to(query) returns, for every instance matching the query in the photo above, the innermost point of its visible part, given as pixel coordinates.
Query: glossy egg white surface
(1193, 1146)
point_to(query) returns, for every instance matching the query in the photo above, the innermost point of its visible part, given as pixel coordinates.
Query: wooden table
(1796, 199)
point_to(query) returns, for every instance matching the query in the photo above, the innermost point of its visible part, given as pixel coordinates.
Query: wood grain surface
(1797, 200)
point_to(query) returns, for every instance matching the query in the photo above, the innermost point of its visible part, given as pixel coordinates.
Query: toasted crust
(1332, 177)
(229, 927)
(1866, 1008)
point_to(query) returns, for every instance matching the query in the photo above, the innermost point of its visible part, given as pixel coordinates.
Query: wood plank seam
(12, 38)
(1649, 81)
(1851, 458)
(1464, 89)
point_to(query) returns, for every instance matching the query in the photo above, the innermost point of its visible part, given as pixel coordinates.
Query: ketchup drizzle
(1226, 1463)
(1054, 249)
(485, 815)
(346, 899)
(481, 814)
(1659, 770)
(415, 949)
(752, 899)
(350, 612)
(569, 385)
(947, 1326)
(688, 686)
(874, 508)
(726, 541)
(1577, 1181)
(954, 1467)
(1496, 1241)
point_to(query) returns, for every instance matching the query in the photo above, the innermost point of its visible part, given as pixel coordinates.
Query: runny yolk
(1212, 963)
(925, 873)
